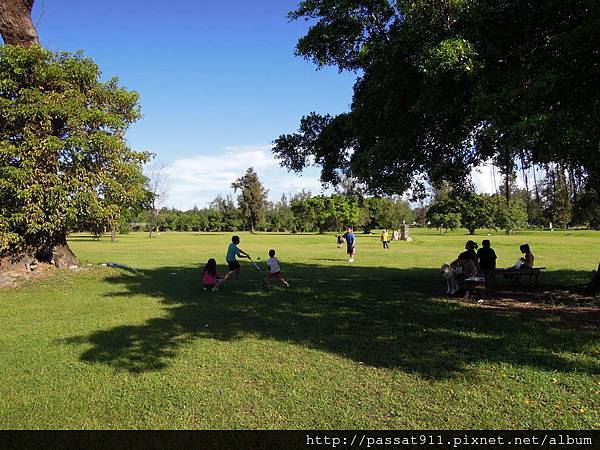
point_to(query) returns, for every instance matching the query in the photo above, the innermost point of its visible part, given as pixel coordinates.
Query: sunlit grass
(371, 344)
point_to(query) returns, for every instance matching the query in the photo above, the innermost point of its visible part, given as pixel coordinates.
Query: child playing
(210, 276)
(274, 271)
(232, 251)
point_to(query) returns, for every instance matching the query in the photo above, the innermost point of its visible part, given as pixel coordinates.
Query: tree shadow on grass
(382, 317)
(84, 238)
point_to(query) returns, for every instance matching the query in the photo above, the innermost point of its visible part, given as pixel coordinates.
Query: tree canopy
(445, 85)
(64, 162)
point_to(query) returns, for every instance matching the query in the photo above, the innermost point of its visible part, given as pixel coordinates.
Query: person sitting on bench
(468, 255)
(527, 259)
(467, 261)
(486, 257)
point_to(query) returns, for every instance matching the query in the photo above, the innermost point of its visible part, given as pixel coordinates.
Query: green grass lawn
(373, 344)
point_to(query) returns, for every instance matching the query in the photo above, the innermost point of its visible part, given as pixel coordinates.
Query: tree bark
(113, 234)
(537, 192)
(554, 188)
(16, 26)
(63, 257)
(593, 287)
(153, 221)
(56, 253)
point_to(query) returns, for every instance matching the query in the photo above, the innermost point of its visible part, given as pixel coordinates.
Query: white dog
(449, 273)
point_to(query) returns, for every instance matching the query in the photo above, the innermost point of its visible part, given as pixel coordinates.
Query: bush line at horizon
(335, 212)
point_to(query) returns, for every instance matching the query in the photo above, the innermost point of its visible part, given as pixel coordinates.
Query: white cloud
(199, 179)
(488, 179)
(485, 178)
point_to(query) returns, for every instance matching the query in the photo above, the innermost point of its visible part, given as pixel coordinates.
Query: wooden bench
(475, 285)
(481, 285)
(517, 274)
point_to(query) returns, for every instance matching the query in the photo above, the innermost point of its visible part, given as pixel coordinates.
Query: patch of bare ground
(560, 304)
(10, 279)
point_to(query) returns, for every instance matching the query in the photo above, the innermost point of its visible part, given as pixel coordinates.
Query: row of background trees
(561, 198)
(252, 210)
(557, 199)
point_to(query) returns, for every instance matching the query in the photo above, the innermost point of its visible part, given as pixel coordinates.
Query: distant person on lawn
(486, 257)
(385, 238)
(527, 259)
(210, 276)
(274, 271)
(232, 251)
(350, 244)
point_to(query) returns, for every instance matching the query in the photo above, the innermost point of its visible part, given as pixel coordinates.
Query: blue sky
(218, 82)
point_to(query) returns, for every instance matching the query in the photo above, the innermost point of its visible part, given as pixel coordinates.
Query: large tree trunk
(56, 253)
(537, 192)
(507, 189)
(593, 287)
(63, 257)
(16, 26)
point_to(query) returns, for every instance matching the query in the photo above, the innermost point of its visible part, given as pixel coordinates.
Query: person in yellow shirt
(385, 239)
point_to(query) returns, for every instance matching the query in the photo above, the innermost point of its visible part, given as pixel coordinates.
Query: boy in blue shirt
(350, 243)
(232, 262)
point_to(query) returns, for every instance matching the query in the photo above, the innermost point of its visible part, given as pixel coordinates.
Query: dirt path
(566, 305)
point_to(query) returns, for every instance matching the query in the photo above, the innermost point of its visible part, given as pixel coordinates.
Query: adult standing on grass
(350, 244)
(232, 251)
(385, 238)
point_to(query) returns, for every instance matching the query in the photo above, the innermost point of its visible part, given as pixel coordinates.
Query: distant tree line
(302, 212)
(562, 198)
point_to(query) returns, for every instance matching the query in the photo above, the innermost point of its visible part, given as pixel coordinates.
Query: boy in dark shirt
(486, 256)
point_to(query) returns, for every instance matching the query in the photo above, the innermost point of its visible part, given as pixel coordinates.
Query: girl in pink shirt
(210, 276)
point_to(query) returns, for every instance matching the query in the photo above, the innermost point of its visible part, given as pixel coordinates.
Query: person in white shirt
(274, 271)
